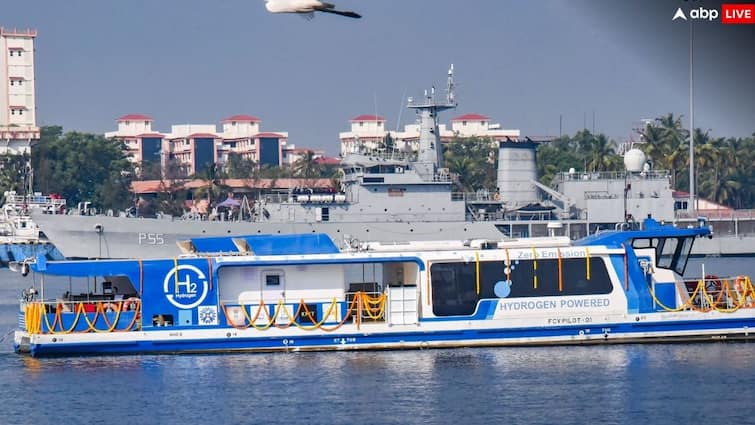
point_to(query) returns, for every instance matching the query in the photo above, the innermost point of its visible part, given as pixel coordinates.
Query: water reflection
(581, 384)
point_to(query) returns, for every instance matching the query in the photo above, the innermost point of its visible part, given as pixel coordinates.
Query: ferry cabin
(615, 288)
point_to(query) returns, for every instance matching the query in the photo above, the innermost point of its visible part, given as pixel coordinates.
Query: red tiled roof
(242, 118)
(471, 117)
(29, 32)
(135, 117)
(368, 118)
(203, 136)
(268, 135)
(151, 135)
(154, 186)
(327, 160)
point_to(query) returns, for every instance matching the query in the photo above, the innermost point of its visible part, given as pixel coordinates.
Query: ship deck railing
(717, 214)
(78, 314)
(613, 175)
(355, 307)
(711, 293)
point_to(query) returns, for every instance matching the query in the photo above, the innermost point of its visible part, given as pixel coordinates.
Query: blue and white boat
(300, 292)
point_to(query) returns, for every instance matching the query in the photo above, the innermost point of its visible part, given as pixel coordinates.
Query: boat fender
(24, 269)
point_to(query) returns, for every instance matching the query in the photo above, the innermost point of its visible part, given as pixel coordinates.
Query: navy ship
(396, 197)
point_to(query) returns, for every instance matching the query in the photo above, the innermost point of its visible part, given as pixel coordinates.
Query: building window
(463, 123)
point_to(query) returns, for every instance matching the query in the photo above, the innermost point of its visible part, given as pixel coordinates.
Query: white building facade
(369, 132)
(18, 122)
(193, 146)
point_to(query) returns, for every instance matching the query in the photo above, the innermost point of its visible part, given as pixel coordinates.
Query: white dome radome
(634, 160)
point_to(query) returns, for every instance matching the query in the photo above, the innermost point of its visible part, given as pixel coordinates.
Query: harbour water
(619, 384)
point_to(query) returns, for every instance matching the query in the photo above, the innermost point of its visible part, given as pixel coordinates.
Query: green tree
(597, 151)
(474, 161)
(555, 157)
(306, 166)
(15, 173)
(212, 187)
(238, 167)
(150, 170)
(82, 167)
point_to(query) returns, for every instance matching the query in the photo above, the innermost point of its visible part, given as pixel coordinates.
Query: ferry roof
(307, 243)
(651, 228)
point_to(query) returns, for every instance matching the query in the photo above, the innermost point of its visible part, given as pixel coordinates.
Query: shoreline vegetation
(89, 167)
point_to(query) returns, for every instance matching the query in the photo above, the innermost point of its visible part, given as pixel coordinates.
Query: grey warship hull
(121, 237)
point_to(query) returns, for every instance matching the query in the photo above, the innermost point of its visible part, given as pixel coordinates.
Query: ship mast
(691, 206)
(430, 156)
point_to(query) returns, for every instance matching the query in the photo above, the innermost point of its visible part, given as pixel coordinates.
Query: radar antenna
(450, 86)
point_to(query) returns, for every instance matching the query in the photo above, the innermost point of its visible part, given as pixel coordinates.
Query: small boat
(300, 292)
(20, 237)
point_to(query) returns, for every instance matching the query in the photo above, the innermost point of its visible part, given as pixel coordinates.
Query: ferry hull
(234, 340)
(301, 293)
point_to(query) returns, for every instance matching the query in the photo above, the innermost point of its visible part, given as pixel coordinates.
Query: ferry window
(272, 280)
(454, 289)
(673, 254)
(644, 243)
(667, 253)
(684, 250)
(573, 278)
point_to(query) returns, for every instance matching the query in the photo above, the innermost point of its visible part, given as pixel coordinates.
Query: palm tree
(306, 166)
(601, 154)
(213, 187)
(473, 160)
(238, 167)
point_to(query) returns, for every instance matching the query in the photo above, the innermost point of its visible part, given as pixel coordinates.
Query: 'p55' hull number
(151, 239)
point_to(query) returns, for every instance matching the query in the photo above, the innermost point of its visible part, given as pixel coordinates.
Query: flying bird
(306, 7)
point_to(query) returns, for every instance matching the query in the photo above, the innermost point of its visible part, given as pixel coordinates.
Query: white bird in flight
(306, 7)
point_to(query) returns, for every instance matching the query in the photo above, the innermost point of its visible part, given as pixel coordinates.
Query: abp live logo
(731, 13)
(739, 13)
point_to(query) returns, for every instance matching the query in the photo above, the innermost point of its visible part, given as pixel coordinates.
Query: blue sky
(522, 63)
